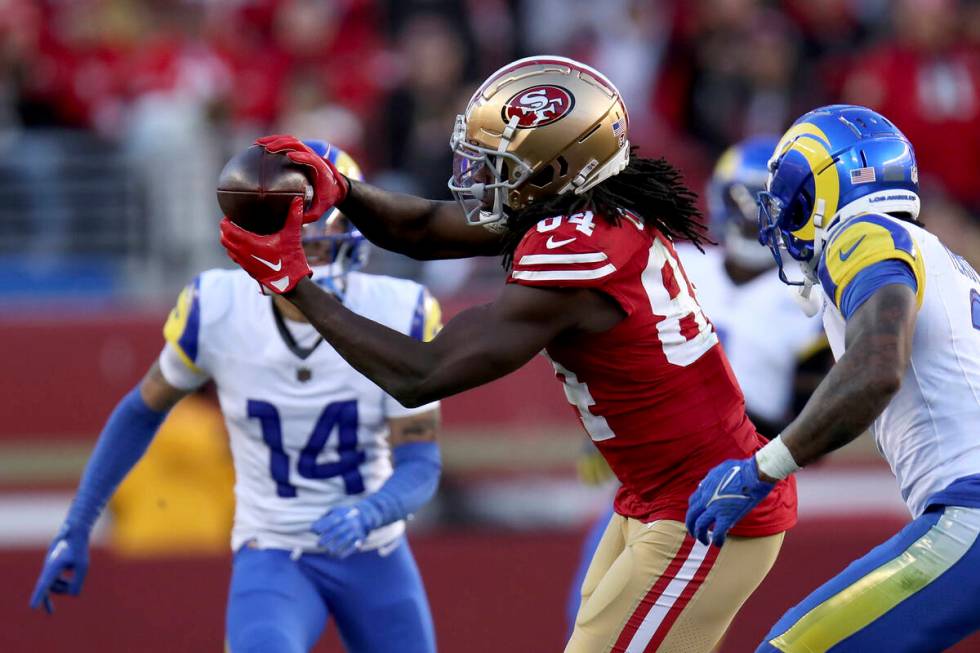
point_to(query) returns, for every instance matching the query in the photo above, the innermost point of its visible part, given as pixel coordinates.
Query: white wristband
(775, 460)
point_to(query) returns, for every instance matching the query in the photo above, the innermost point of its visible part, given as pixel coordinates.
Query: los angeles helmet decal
(538, 106)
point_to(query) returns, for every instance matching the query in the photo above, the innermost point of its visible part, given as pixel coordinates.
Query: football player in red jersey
(544, 176)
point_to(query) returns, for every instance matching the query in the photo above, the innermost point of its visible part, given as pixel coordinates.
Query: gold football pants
(652, 587)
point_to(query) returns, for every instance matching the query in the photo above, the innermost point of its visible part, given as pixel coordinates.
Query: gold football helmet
(538, 127)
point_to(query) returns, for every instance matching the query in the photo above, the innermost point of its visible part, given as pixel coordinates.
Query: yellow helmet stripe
(800, 129)
(810, 141)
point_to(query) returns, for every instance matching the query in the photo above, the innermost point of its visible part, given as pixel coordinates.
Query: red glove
(329, 186)
(277, 260)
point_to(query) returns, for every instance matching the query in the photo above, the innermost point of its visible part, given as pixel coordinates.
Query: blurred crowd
(179, 85)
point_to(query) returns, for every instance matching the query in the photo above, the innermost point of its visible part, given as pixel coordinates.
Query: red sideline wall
(61, 377)
(490, 592)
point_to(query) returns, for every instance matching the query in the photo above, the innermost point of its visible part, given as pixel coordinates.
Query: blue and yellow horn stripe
(806, 146)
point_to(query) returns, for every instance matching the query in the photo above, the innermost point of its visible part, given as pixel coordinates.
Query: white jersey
(762, 330)
(930, 431)
(306, 434)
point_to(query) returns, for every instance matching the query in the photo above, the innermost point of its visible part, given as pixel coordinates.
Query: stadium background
(115, 116)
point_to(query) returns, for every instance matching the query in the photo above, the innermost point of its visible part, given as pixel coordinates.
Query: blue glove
(726, 494)
(342, 530)
(68, 552)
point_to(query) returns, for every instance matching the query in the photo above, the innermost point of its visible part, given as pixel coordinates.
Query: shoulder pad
(861, 242)
(202, 302)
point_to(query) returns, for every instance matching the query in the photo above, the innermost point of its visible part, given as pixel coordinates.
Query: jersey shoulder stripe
(581, 249)
(562, 259)
(427, 317)
(201, 304)
(564, 275)
(860, 243)
(183, 326)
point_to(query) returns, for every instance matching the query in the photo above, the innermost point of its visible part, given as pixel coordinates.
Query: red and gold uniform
(657, 396)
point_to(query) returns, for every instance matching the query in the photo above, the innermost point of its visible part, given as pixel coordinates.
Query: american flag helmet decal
(863, 175)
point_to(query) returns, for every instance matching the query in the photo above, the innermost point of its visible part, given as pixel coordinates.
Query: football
(256, 187)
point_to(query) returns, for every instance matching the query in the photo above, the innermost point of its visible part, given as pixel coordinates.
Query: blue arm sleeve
(123, 441)
(414, 481)
(870, 279)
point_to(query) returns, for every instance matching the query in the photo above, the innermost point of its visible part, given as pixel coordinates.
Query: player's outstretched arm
(410, 225)
(123, 441)
(418, 466)
(420, 228)
(477, 346)
(852, 395)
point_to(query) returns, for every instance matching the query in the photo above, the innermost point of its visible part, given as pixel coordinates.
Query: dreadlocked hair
(650, 188)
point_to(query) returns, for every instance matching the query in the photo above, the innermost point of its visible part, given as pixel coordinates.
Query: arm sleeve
(418, 466)
(863, 244)
(123, 441)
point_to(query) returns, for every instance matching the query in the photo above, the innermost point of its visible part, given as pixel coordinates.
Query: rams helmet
(739, 176)
(834, 162)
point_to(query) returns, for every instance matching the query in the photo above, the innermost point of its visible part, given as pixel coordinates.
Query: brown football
(256, 187)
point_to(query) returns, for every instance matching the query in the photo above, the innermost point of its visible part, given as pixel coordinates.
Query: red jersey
(655, 393)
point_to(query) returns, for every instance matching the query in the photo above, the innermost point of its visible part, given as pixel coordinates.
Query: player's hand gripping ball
(65, 566)
(330, 188)
(276, 261)
(257, 187)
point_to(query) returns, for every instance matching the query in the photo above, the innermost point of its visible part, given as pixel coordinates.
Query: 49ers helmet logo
(538, 106)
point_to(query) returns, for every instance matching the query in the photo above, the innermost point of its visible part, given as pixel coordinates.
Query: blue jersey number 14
(341, 415)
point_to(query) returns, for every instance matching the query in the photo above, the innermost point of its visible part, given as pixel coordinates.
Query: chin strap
(808, 302)
(805, 299)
